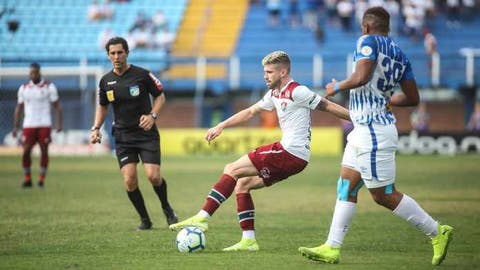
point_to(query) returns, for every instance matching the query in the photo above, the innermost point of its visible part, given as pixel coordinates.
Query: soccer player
(369, 157)
(34, 101)
(268, 164)
(128, 88)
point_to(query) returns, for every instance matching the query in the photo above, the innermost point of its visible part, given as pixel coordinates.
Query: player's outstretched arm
(362, 75)
(240, 117)
(333, 108)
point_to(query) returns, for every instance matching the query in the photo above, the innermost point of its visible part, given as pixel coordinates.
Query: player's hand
(146, 122)
(95, 136)
(330, 89)
(213, 133)
(14, 132)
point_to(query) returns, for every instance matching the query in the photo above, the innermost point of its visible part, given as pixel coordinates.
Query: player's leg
(379, 176)
(159, 185)
(246, 213)
(29, 138)
(272, 164)
(345, 207)
(219, 193)
(348, 186)
(44, 140)
(127, 159)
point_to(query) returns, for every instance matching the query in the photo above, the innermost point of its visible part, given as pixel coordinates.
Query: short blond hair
(277, 57)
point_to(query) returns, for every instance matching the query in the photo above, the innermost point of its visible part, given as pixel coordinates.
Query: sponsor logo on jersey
(134, 90)
(366, 50)
(112, 82)
(110, 96)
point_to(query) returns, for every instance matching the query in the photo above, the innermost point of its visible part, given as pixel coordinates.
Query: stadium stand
(56, 32)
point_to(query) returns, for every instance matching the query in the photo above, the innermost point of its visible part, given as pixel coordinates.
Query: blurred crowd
(408, 17)
(145, 32)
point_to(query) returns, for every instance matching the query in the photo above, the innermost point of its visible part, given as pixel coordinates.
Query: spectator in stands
(159, 21)
(345, 12)
(94, 11)
(453, 13)
(293, 13)
(310, 16)
(360, 7)
(141, 37)
(141, 22)
(474, 123)
(103, 37)
(331, 6)
(163, 39)
(393, 7)
(274, 12)
(35, 99)
(414, 19)
(97, 12)
(107, 10)
(468, 9)
(430, 44)
(420, 118)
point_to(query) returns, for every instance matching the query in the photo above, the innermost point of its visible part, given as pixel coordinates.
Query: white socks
(410, 211)
(250, 234)
(342, 217)
(204, 214)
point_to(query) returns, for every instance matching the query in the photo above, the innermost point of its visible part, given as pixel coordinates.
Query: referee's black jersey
(129, 94)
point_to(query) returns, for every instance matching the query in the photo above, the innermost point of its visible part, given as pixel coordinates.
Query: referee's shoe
(170, 215)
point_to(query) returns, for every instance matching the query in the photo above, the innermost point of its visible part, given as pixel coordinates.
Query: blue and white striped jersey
(368, 103)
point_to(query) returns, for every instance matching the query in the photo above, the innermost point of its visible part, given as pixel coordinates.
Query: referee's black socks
(136, 198)
(162, 194)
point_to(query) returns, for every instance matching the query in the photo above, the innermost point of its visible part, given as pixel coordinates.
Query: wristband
(336, 87)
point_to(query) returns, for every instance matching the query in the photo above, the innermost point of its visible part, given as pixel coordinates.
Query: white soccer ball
(191, 239)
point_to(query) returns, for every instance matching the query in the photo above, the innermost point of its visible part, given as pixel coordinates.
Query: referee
(128, 89)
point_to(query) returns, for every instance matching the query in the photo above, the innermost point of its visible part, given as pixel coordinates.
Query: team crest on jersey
(134, 90)
(110, 95)
(276, 93)
(283, 105)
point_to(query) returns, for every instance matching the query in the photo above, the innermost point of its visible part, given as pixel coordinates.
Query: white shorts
(370, 150)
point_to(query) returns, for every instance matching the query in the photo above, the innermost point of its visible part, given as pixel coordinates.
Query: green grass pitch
(83, 219)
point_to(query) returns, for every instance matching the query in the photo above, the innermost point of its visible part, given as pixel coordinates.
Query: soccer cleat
(195, 221)
(323, 253)
(145, 225)
(170, 215)
(40, 184)
(440, 243)
(244, 245)
(27, 184)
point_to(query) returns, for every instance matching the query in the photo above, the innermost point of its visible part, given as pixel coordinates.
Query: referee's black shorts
(133, 144)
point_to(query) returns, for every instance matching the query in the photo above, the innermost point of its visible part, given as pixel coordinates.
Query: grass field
(82, 219)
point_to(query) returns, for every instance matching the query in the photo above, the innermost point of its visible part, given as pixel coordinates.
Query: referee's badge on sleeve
(110, 95)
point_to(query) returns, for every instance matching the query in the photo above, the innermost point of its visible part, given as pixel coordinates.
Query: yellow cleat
(440, 243)
(244, 245)
(195, 221)
(323, 253)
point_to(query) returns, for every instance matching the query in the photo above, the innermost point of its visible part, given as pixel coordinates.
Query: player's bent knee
(344, 189)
